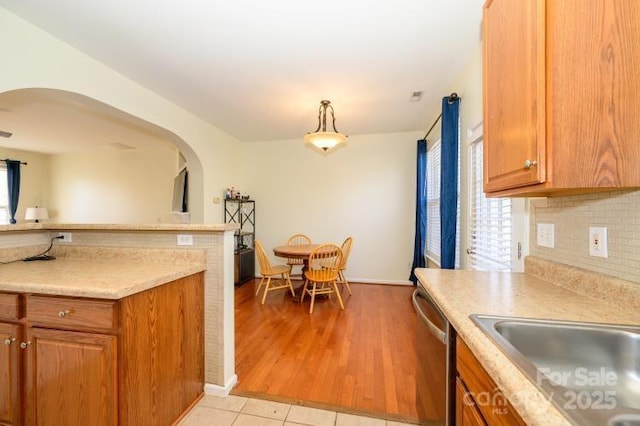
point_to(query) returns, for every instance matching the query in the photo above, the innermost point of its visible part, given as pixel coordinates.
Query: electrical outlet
(546, 235)
(598, 241)
(185, 240)
(66, 237)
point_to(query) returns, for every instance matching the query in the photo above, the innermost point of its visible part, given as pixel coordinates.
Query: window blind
(4, 196)
(433, 202)
(490, 223)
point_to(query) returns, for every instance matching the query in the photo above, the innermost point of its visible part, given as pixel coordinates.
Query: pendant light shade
(321, 138)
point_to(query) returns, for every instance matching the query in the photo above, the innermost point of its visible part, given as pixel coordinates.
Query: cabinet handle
(63, 314)
(24, 345)
(8, 341)
(528, 164)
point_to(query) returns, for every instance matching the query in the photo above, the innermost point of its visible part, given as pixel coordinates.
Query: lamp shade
(36, 213)
(325, 140)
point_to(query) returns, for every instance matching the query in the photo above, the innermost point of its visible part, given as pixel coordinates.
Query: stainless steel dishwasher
(434, 374)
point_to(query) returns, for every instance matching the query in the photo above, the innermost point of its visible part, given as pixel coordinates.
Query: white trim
(372, 281)
(365, 281)
(217, 390)
(433, 259)
(474, 132)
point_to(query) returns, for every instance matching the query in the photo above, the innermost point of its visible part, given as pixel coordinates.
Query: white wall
(105, 186)
(365, 190)
(33, 58)
(33, 179)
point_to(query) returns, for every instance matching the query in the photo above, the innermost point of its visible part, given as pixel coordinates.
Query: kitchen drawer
(10, 306)
(71, 312)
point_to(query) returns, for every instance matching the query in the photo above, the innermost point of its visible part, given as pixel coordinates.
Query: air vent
(415, 96)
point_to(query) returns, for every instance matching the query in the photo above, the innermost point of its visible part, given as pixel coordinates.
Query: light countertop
(105, 279)
(462, 293)
(165, 227)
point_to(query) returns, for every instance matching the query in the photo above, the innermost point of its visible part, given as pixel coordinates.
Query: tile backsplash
(618, 211)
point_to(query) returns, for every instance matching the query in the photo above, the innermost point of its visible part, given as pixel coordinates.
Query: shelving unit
(242, 212)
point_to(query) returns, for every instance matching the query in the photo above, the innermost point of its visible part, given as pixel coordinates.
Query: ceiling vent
(415, 96)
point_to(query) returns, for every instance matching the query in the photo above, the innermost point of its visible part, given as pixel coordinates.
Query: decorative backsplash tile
(618, 211)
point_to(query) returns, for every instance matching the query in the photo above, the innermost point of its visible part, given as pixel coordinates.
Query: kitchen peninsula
(143, 316)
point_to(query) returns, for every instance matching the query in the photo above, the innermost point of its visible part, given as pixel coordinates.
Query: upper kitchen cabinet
(561, 96)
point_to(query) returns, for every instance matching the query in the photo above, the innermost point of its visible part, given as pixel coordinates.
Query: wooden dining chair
(346, 250)
(268, 271)
(297, 240)
(322, 273)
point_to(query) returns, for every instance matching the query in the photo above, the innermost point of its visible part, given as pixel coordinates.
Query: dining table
(301, 251)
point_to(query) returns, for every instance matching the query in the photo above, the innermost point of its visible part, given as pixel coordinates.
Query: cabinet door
(9, 374)
(71, 378)
(514, 94)
(467, 414)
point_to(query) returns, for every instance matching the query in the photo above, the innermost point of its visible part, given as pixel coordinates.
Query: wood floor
(362, 359)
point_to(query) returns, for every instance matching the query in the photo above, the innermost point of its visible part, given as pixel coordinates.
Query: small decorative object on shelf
(240, 209)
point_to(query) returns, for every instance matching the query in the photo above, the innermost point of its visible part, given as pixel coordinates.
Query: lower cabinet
(71, 378)
(76, 361)
(478, 399)
(10, 384)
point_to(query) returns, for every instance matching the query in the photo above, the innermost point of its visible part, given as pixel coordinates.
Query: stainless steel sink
(590, 371)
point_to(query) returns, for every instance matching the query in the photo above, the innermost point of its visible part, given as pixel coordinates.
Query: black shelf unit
(242, 212)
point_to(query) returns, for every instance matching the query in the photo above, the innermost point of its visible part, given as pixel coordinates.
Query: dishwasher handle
(433, 329)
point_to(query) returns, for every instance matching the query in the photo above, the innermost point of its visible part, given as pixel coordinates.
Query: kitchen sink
(590, 371)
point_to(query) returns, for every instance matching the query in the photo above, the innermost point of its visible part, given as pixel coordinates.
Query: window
(490, 228)
(433, 205)
(433, 202)
(4, 196)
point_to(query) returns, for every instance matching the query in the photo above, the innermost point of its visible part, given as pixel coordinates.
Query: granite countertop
(178, 227)
(462, 293)
(104, 279)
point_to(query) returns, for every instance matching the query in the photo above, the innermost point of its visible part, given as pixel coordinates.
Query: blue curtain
(421, 210)
(13, 180)
(449, 181)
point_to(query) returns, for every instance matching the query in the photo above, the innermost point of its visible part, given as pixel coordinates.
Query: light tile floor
(240, 411)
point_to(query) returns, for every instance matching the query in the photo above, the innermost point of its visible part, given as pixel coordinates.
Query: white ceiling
(258, 69)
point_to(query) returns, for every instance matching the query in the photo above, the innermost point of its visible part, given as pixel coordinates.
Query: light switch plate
(185, 240)
(546, 235)
(598, 242)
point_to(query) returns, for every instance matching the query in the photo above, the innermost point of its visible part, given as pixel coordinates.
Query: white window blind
(4, 196)
(490, 226)
(433, 202)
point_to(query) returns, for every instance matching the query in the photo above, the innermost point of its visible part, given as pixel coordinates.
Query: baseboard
(370, 281)
(385, 282)
(217, 390)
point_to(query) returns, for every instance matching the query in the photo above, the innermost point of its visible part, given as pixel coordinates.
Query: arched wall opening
(124, 163)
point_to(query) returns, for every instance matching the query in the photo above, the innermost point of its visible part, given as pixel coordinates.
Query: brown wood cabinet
(10, 386)
(78, 361)
(560, 96)
(478, 399)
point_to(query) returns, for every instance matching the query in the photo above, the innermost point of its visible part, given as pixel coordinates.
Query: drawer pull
(528, 164)
(63, 314)
(9, 341)
(24, 345)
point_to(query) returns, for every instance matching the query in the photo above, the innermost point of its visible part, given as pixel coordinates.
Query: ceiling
(258, 69)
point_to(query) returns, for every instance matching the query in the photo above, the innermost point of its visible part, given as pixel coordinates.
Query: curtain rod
(22, 162)
(452, 97)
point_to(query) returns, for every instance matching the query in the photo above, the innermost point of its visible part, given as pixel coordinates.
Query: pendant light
(321, 138)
